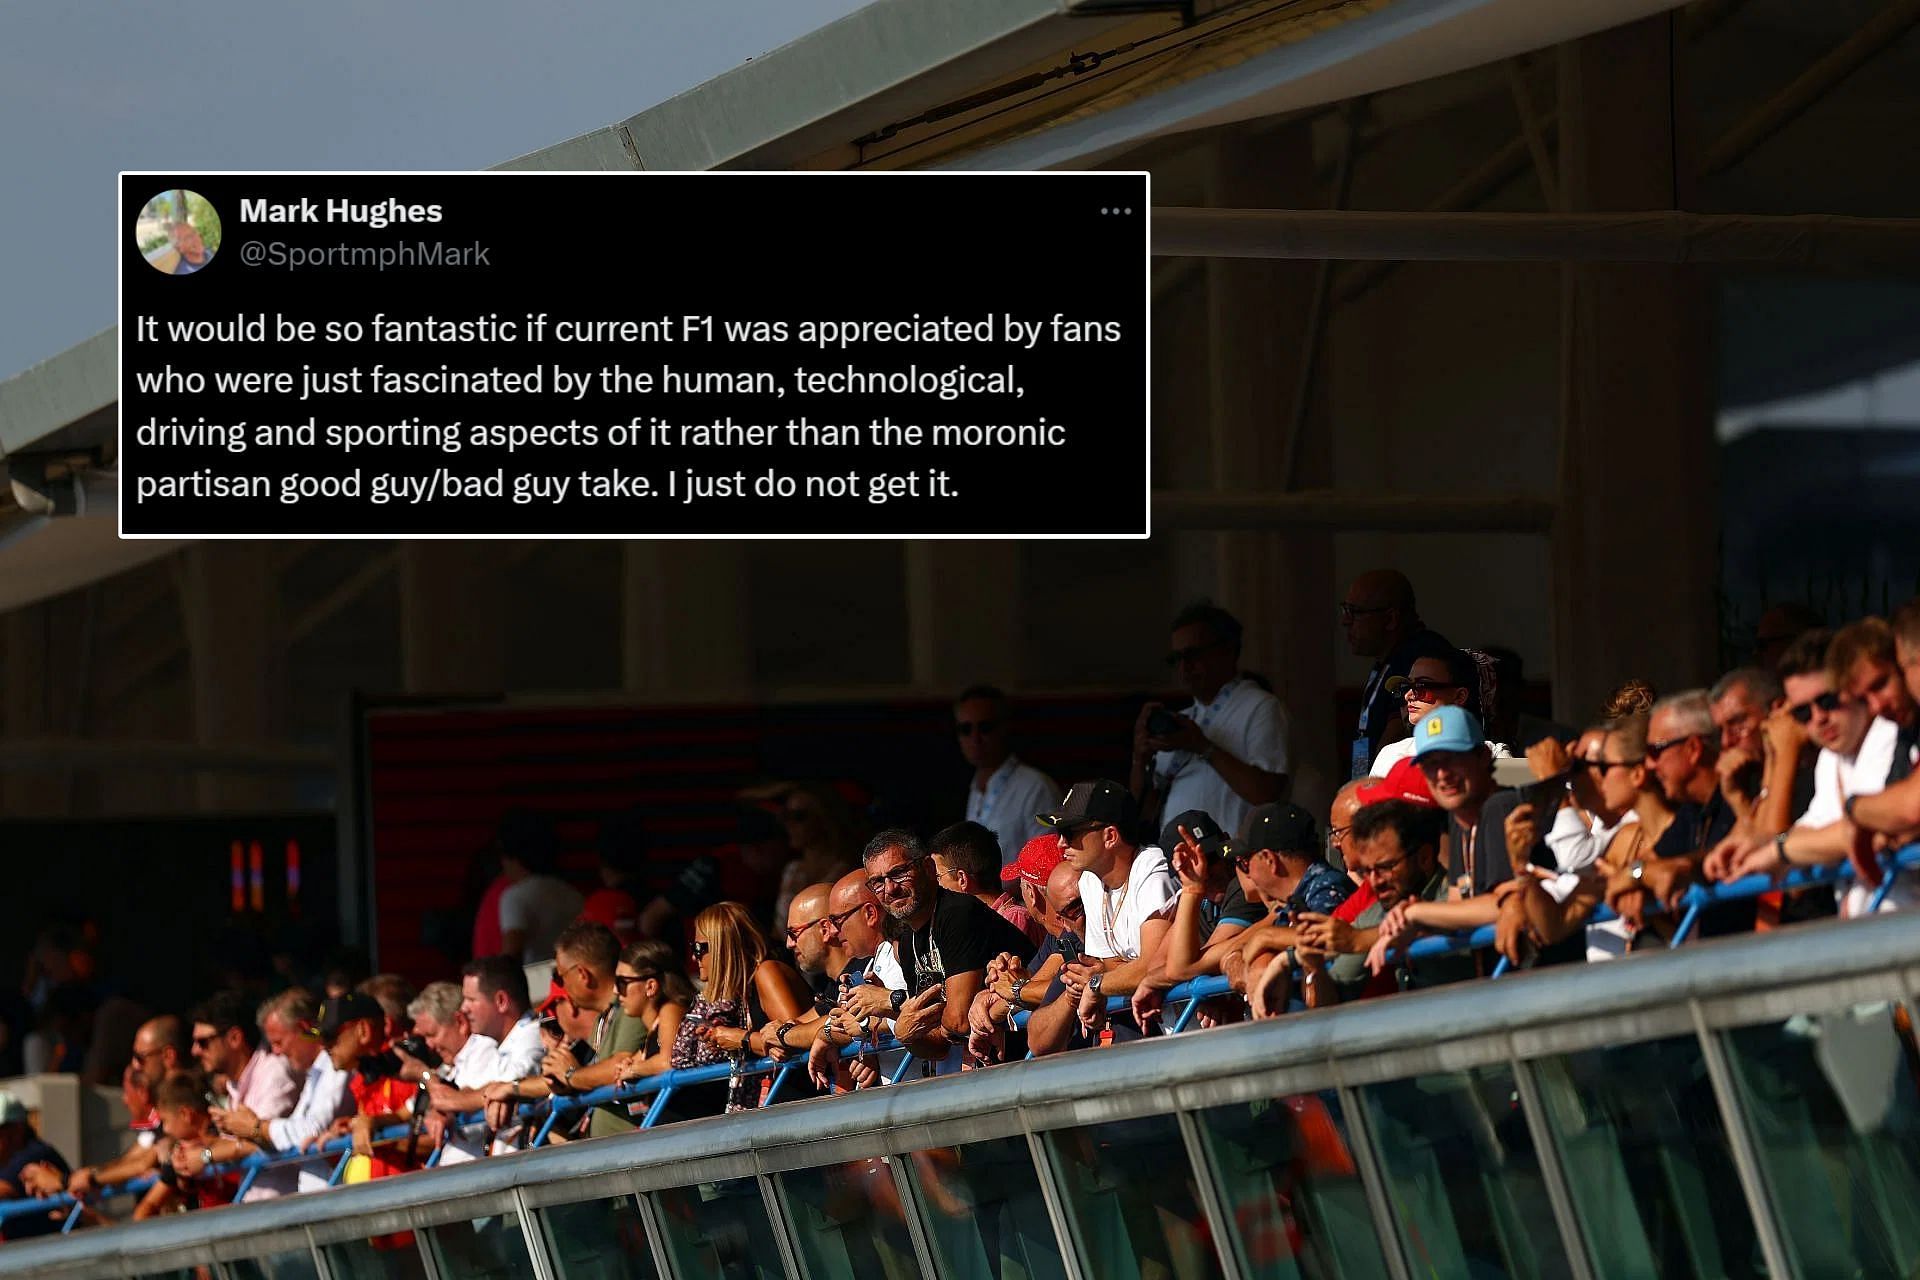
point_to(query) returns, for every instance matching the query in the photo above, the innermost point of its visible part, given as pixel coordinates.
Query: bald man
(160, 1047)
(1382, 622)
(806, 938)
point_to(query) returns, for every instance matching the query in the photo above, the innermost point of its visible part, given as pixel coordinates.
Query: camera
(419, 1050)
(1161, 722)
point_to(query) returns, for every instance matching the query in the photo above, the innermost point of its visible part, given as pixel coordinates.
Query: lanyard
(1366, 699)
(995, 785)
(1109, 909)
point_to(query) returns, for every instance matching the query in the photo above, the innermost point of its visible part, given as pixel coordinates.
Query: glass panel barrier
(599, 1240)
(986, 1216)
(1133, 1202)
(1294, 1202)
(482, 1249)
(1831, 1101)
(295, 1264)
(1647, 1162)
(1463, 1180)
(375, 1260)
(848, 1222)
(719, 1229)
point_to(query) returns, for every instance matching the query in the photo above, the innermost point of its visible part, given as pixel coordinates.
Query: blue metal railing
(660, 1088)
(549, 1113)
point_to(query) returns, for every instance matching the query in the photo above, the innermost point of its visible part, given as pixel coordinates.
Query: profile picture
(178, 233)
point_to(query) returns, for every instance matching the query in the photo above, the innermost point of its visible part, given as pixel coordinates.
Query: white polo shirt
(1114, 916)
(1014, 793)
(1246, 722)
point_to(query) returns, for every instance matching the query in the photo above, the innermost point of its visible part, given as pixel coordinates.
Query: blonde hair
(735, 949)
(1635, 697)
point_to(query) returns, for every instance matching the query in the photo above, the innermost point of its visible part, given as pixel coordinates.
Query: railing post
(1746, 1160)
(654, 1108)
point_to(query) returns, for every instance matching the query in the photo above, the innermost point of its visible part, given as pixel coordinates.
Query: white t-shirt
(1246, 722)
(1114, 916)
(1014, 793)
(1835, 777)
(540, 907)
(1402, 748)
(886, 968)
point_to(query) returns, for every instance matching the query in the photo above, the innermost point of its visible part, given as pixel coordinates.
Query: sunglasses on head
(968, 728)
(1827, 702)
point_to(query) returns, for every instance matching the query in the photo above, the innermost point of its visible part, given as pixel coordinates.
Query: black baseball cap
(1098, 801)
(337, 1011)
(1214, 843)
(1283, 828)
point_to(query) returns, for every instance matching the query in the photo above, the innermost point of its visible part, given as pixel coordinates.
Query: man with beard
(1394, 846)
(944, 941)
(806, 915)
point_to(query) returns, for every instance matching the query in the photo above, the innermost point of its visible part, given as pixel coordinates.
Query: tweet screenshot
(634, 355)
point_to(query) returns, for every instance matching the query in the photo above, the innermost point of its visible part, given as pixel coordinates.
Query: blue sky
(88, 89)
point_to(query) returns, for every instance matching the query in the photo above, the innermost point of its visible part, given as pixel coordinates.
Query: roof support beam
(1218, 510)
(1814, 241)
(1818, 80)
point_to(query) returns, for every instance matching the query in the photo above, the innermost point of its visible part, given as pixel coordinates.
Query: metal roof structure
(987, 84)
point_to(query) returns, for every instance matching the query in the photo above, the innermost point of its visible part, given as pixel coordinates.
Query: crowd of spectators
(1051, 920)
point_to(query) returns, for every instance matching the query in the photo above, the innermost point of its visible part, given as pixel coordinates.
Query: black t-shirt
(1384, 708)
(1493, 866)
(35, 1224)
(963, 935)
(1231, 908)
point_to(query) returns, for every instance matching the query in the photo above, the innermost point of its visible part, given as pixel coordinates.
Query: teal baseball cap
(1447, 729)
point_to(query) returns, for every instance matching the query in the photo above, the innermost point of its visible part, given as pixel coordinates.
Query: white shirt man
(324, 1098)
(1864, 773)
(1249, 723)
(1114, 916)
(1013, 794)
(266, 1085)
(518, 1055)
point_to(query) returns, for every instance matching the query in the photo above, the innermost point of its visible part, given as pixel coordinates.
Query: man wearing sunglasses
(1381, 622)
(1228, 751)
(1856, 754)
(160, 1047)
(1006, 791)
(227, 1044)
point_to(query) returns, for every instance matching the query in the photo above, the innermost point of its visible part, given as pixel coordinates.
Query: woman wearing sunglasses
(743, 987)
(652, 987)
(1458, 677)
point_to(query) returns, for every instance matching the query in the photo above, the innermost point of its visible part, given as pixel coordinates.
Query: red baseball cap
(1403, 782)
(1038, 857)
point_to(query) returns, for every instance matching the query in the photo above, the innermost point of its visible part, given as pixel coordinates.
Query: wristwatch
(1638, 872)
(567, 1079)
(1780, 847)
(206, 1154)
(1093, 983)
(780, 1034)
(899, 998)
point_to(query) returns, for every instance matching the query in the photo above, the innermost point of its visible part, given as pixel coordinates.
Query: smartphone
(1161, 722)
(1069, 945)
(582, 1052)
